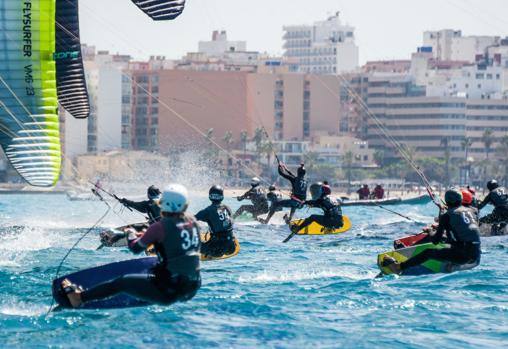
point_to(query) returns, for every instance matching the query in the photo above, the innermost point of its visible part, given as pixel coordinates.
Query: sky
(385, 29)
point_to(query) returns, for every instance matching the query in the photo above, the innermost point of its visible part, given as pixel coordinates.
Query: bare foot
(73, 296)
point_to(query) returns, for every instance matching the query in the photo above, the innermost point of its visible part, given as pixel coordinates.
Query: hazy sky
(385, 29)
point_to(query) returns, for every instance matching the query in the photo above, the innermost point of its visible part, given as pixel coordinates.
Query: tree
(488, 139)
(502, 150)
(243, 140)
(258, 140)
(228, 139)
(348, 161)
(379, 157)
(445, 143)
(466, 144)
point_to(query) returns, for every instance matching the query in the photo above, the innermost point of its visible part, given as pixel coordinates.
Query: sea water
(316, 292)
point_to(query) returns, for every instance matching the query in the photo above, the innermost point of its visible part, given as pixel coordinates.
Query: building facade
(326, 47)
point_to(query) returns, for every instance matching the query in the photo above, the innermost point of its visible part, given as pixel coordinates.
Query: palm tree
(379, 157)
(445, 142)
(228, 139)
(348, 161)
(502, 150)
(487, 139)
(243, 140)
(258, 139)
(466, 144)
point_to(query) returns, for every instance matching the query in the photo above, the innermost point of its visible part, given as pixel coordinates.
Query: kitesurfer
(298, 192)
(475, 202)
(363, 192)
(274, 196)
(257, 196)
(321, 198)
(218, 217)
(150, 206)
(462, 233)
(176, 242)
(498, 196)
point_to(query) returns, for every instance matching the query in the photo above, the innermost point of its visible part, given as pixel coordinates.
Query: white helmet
(174, 199)
(255, 181)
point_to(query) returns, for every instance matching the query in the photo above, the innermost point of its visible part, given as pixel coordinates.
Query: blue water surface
(312, 291)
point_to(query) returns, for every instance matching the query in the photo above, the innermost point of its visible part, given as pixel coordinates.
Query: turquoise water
(318, 292)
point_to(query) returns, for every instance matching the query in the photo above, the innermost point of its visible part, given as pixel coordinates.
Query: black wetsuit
(499, 198)
(332, 217)
(259, 202)
(222, 240)
(175, 278)
(150, 207)
(298, 191)
(463, 235)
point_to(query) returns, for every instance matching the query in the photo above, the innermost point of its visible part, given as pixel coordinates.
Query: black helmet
(453, 197)
(272, 188)
(216, 193)
(301, 171)
(492, 184)
(315, 190)
(153, 192)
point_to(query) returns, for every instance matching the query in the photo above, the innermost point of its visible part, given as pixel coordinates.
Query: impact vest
(154, 212)
(218, 218)
(499, 197)
(258, 197)
(331, 207)
(179, 252)
(300, 188)
(463, 225)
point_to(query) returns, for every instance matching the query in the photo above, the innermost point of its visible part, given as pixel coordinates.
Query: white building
(450, 45)
(102, 131)
(220, 45)
(326, 47)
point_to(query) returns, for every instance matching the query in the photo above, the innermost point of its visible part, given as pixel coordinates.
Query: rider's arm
(444, 222)
(485, 202)
(155, 233)
(141, 206)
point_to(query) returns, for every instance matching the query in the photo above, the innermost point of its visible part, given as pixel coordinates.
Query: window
(479, 76)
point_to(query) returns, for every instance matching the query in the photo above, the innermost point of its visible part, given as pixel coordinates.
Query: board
(107, 235)
(410, 240)
(429, 267)
(205, 237)
(317, 229)
(91, 277)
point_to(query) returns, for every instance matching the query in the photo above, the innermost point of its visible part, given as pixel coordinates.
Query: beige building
(121, 166)
(173, 109)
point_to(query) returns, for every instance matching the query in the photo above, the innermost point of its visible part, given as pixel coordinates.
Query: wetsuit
(298, 192)
(150, 207)
(332, 217)
(222, 240)
(259, 202)
(499, 198)
(175, 278)
(463, 235)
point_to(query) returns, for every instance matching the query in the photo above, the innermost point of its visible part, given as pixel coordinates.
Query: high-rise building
(326, 47)
(450, 45)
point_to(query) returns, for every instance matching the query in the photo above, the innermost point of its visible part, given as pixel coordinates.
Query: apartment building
(325, 47)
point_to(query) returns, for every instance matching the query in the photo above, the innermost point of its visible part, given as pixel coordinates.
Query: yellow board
(204, 238)
(317, 229)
